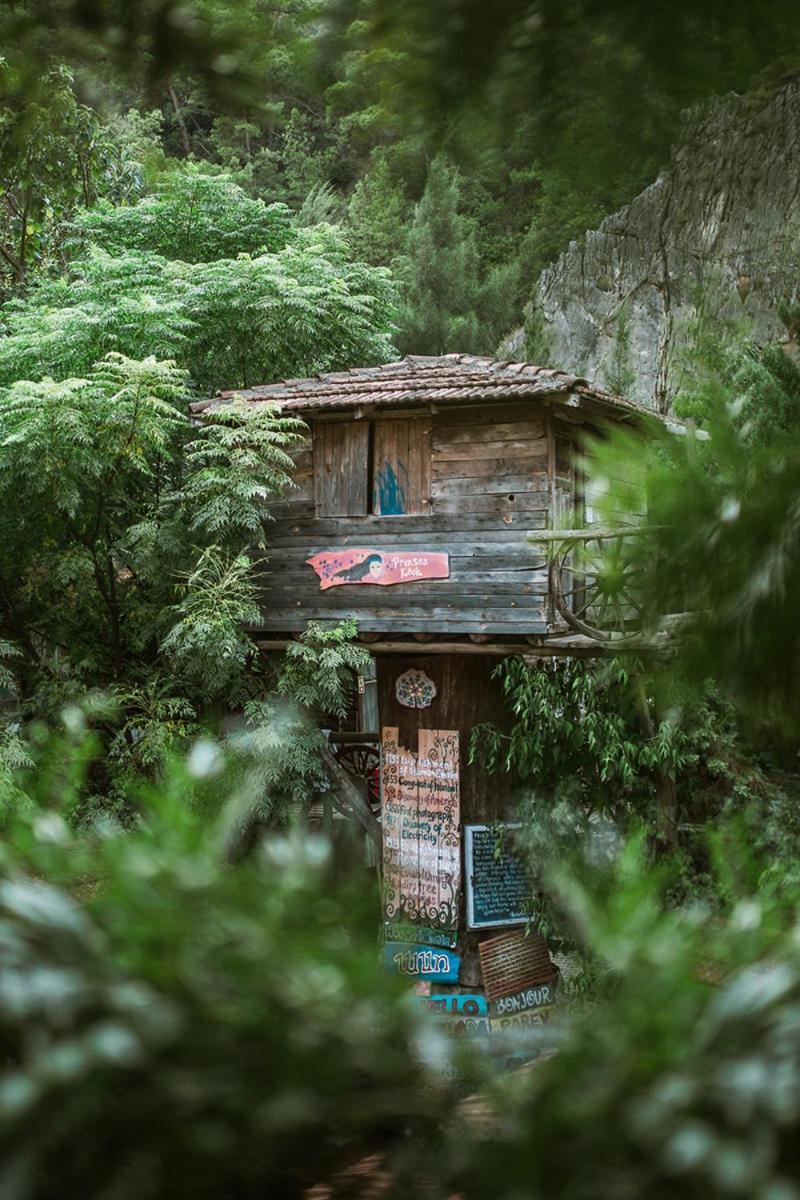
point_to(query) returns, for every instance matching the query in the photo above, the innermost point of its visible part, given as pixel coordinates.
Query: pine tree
(439, 314)
(377, 216)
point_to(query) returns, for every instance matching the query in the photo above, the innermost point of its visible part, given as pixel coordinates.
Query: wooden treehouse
(442, 503)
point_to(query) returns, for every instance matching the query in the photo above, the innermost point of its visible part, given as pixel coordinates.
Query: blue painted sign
(470, 1027)
(394, 931)
(422, 962)
(472, 1005)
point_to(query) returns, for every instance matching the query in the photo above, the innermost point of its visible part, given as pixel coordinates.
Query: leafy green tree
(231, 322)
(49, 154)
(109, 497)
(616, 740)
(722, 536)
(311, 686)
(304, 310)
(193, 217)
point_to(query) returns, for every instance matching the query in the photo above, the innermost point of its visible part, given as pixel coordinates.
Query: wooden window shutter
(401, 467)
(341, 468)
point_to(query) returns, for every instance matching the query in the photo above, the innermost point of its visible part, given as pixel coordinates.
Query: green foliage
(125, 304)
(231, 322)
(234, 467)
(304, 310)
(170, 1025)
(578, 727)
(109, 497)
(312, 683)
(723, 527)
(155, 725)
(207, 645)
(193, 217)
(497, 68)
(440, 271)
(174, 1023)
(49, 153)
(321, 206)
(320, 668)
(586, 744)
(670, 1082)
(281, 749)
(377, 215)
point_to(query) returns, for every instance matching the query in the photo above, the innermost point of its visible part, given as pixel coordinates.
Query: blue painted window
(401, 467)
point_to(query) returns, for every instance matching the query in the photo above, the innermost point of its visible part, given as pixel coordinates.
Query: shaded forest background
(218, 194)
(460, 149)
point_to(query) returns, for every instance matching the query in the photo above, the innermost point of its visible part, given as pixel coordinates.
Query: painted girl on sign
(349, 566)
(371, 568)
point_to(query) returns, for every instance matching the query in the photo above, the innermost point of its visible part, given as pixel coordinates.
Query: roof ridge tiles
(416, 378)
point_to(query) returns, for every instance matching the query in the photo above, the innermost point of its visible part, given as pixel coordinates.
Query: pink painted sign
(338, 567)
(421, 829)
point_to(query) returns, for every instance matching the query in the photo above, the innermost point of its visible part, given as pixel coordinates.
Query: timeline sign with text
(421, 829)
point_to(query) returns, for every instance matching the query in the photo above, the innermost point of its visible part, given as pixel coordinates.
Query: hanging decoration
(415, 689)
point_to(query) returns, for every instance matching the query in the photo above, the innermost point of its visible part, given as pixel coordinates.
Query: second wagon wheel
(362, 762)
(596, 585)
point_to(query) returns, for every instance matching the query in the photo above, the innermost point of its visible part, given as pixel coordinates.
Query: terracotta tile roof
(445, 379)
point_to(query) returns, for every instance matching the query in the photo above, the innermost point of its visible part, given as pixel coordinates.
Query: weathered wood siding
(478, 492)
(466, 695)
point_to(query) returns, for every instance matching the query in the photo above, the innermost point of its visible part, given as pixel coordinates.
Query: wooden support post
(552, 505)
(368, 715)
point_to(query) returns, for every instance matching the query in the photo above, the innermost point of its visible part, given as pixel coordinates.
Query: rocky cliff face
(717, 236)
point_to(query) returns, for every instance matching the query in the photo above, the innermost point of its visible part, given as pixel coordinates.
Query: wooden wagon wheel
(595, 582)
(362, 762)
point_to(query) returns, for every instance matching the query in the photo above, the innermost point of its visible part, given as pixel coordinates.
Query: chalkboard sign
(498, 885)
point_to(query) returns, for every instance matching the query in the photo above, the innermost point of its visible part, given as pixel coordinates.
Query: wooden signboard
(514, 962)
(422, 962)
(531, 1019)
(421, 829)
(463, 1026)
(498, 883)
(347, 566)
(452, 1004)
(395, 932)
(541, 996)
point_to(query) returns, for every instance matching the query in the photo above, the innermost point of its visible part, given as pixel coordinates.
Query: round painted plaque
(415, 689)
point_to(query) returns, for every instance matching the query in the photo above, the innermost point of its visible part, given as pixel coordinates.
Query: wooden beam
(589, 533)
(566, 646)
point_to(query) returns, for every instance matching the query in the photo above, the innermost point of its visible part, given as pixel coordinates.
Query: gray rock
(715, 239)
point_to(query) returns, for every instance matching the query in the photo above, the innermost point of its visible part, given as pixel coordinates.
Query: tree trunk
(666, 814)
(187, 145)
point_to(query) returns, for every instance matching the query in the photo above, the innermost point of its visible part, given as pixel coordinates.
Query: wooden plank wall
(488, 490)
(620, 492)
(341, 476)
(402, 467)
(466, 694)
